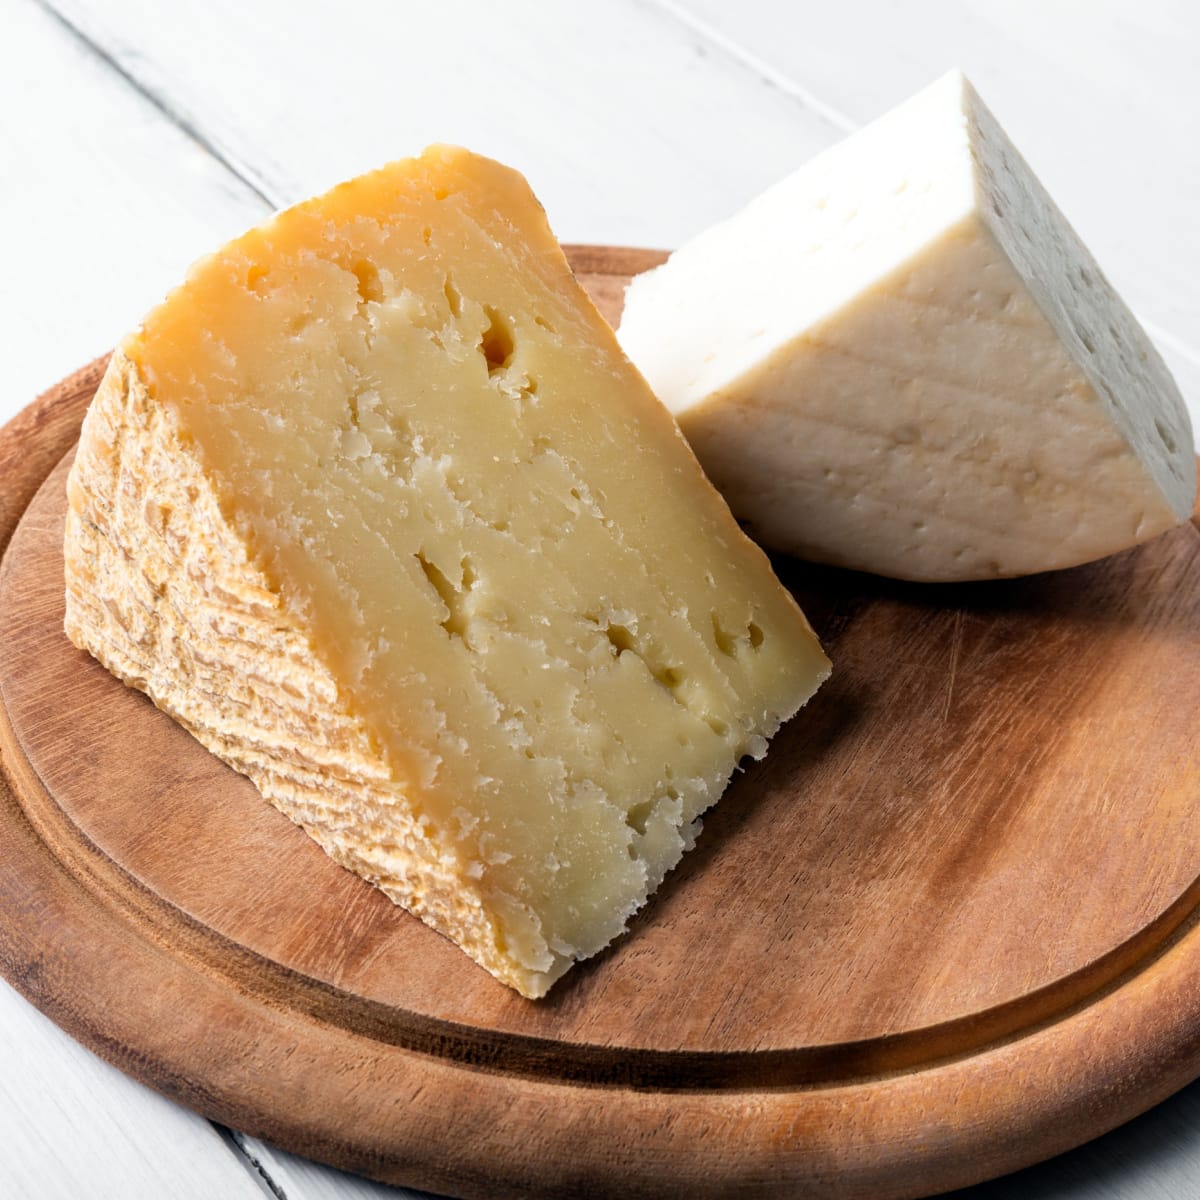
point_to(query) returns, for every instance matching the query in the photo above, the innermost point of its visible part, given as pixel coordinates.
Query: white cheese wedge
(376, 507)
(902, 359)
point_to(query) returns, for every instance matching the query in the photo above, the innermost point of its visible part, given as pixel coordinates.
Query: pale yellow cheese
(377, 508)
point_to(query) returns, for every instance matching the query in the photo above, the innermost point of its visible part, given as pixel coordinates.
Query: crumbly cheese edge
(160, 589)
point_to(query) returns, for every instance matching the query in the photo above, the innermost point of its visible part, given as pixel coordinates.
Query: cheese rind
(375, 506)
(902, 359)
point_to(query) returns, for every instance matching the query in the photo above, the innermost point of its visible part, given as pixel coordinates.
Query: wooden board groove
(949, 924)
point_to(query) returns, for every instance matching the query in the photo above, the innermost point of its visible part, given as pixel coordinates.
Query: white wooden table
(136, 134)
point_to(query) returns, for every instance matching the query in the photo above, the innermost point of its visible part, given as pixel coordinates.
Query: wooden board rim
(1077, 1082)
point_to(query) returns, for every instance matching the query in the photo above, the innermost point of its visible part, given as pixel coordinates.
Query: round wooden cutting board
(945, 929)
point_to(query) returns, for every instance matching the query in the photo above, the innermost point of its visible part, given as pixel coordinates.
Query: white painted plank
(104, 204)
(1102, 99)
(74, 1126)
(630, 130)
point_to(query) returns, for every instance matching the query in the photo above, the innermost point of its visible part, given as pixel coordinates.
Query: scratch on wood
(955, 649)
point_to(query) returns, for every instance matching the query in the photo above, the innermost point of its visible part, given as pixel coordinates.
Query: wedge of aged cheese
(376, 507)
(902, 359)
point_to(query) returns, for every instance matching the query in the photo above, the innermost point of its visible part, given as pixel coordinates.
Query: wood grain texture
(947, 926)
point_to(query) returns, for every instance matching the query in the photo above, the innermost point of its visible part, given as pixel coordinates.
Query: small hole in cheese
(453, 297)
(370, 289)
(455, 623)
(638, 815)
(670, 677)
(726, 642)
(619, 638)
(496, 345)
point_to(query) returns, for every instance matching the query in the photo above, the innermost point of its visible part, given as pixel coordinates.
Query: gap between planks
(237, 1145)
(762, 70)
(175, 115)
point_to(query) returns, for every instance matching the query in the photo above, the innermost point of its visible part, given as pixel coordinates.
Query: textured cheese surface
(902, 359)
(376, 507)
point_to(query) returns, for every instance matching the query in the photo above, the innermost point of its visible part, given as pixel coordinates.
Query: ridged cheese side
(161, 591)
